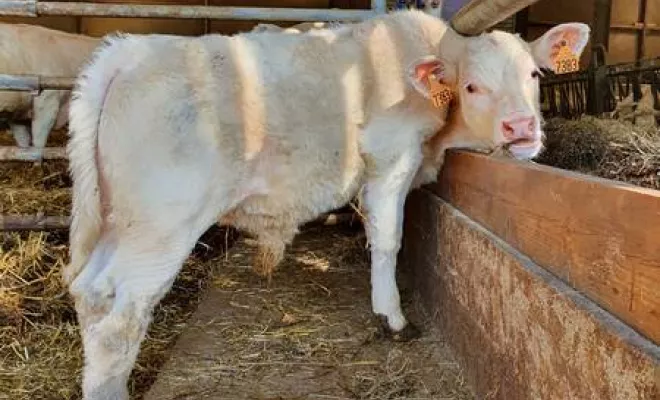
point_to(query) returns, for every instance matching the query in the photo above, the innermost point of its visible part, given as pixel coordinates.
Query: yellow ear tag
(441, 94)
(566, 61)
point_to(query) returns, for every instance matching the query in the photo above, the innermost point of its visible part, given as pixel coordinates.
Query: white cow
(266, 131)
(35, 50)
(298, 28)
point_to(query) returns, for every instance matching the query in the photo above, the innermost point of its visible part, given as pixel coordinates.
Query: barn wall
(623, 38)
(623, 42)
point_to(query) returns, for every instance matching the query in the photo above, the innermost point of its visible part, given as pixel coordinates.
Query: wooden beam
(518, 331)
(636, 26)
(601, 24)
(42, 222)
(599, 236)
(33, 222)
(10, 153)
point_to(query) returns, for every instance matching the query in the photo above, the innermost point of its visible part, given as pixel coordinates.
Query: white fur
(263, 131)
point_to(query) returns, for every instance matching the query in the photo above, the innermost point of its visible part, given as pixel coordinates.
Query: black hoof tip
(409, 332)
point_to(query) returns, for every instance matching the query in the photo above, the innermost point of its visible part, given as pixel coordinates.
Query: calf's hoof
(409, 332)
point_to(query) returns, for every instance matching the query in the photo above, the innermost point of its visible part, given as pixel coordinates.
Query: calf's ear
(421, 70)
(546, 48)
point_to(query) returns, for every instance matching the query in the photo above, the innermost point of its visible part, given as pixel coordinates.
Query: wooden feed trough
(545, 282)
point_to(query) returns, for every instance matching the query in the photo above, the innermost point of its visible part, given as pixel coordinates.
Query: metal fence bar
(33, 8)
(34, 83)
(379, 6)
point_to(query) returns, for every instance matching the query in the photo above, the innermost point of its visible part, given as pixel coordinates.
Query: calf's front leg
(384, 199)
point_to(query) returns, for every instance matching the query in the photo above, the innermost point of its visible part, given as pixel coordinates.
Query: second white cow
(265, 131)
(35, 50)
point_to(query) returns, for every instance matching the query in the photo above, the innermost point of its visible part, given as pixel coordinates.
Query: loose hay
(30, 189)
(607, 148)
(40, 349)
(310, 334)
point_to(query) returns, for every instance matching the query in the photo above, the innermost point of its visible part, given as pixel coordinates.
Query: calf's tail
(85, 118)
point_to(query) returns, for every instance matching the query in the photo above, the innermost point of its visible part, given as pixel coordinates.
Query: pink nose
(519, 128)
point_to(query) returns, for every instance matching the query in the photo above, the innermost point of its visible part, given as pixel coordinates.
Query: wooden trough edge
(518, 331)
(597, 235)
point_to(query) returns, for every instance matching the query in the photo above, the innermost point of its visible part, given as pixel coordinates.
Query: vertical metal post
(522, 23)
(602, 22)
(641, 34)
(207, 22)
(379, 6)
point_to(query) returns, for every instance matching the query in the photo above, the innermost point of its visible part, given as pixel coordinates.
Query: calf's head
(495, 79)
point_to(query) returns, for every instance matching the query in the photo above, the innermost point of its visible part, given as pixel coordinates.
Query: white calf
(266, 131)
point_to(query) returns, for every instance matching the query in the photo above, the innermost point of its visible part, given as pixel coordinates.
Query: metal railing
(34, 8)
(601, 89)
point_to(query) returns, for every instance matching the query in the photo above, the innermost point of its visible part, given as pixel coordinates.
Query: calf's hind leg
(115, 301)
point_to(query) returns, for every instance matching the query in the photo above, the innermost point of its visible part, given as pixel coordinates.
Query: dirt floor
(309, 335)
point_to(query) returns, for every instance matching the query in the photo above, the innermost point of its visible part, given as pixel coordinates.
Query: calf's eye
(471, 88)
(536, 74)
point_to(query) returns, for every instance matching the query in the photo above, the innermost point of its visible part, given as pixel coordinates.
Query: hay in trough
(607, 148)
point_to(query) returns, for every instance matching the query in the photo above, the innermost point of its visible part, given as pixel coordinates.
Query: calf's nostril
(508, 130)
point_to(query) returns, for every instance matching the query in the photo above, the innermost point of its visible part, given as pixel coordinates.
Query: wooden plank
(517, 330)
(33, 222)
(42, 222)
(12, 153)
(599, 236)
